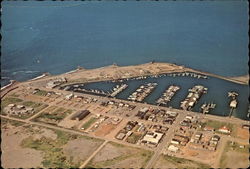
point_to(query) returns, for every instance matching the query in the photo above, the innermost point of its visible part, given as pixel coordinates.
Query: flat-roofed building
(80, 115)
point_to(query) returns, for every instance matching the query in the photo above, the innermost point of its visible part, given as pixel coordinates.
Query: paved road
(167, 138)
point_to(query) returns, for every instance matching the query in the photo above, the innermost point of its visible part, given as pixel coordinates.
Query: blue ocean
(56, 37)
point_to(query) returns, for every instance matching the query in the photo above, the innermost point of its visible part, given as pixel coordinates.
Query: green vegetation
(233, 146)
(53, 151)
(15, 123)
(14, 95)
(54, 156)
(89, 123)
(147, 155)
(217, 124)
(134, 137)
(9, 100)
(41, 93)
(36, 106)
(135, 153)
(184, 163)
(54, 117)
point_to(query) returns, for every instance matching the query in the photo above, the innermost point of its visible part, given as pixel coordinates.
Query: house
(173, 148)
(224, 129)
(208, 128)
(174, 141)
(68, 97)
(120, 136)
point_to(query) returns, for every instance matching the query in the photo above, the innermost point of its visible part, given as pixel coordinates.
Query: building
(173, 148)
(233, 104)
(208, 128)
(120, 136)
(80, 115)
(68, 97)
(152, 138)
(224, 129)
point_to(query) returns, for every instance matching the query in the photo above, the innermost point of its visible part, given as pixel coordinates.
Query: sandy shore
(113, 72)
(244, 79)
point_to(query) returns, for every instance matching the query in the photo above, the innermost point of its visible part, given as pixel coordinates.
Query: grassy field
(54, 156)
(53, 115)
(235, 147)
(4, 122)
(41, 93)
(36, 106)
(129, 155)
(167, 161)
(134, 137)
(217, 124)
(91, 121)
(9, 100)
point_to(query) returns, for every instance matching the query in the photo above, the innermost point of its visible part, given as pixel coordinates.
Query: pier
(167, 95)
(205, 108)
(233, 103)
(194, 95)
(118, 89)
(142, 92)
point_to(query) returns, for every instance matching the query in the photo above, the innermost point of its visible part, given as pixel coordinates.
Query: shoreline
(243, 80)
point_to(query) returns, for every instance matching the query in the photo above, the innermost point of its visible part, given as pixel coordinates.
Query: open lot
(33, 146)
(114, 155)
(37, 107)
(235, 155)
(53, 115)
(175, 162)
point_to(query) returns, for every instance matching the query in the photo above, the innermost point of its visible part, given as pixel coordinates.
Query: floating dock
(142, 92)
(233, 103)
(167, 95)
(194, 95)
(118, 89)
(205, 108)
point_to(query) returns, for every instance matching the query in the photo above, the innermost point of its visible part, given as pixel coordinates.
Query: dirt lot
(242, 133)
(237, 160)
(174, 162)
(80, 149)
(235, 155)
(115, 155)
(11, 149)
(204, 156)
(105, 129)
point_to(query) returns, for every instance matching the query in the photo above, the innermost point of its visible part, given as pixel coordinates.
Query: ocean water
(57, 37)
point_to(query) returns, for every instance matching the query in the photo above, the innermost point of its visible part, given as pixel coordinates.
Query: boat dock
(205, 108)
(195, 75)
(142, 92)
(233, 103)
(194, 95)
(118, 89)
(167, 95)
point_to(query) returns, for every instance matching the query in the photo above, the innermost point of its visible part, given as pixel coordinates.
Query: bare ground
(236, 160)
(116, 156)
(13, 155)
(80, 149)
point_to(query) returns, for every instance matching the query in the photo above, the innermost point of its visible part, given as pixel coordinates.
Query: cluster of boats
(117, 89)
(194, 95)
(205, 108)
(188, 74)
(142, 92)
(167, 95)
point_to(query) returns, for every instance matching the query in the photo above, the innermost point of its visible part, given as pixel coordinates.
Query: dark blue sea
(56, 37)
